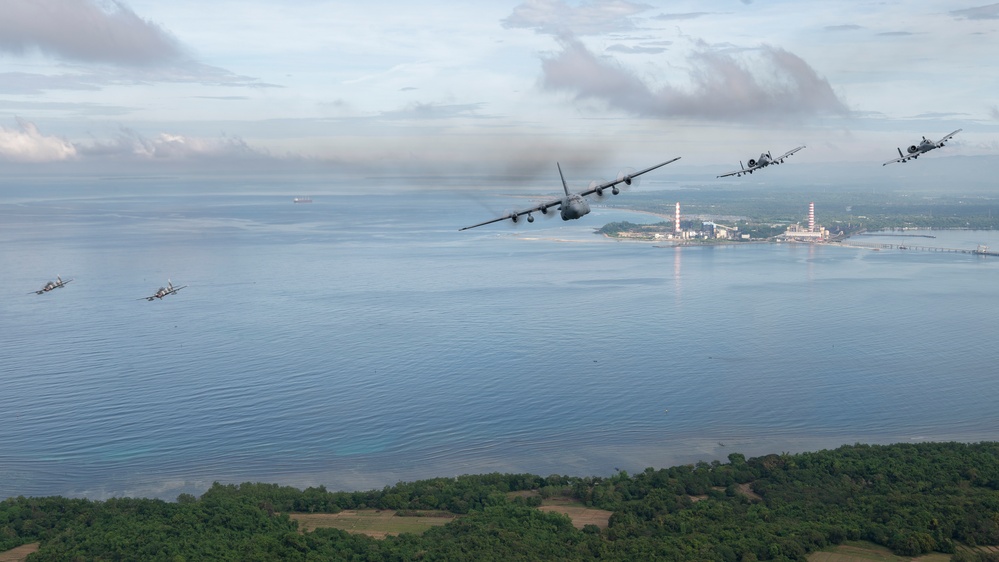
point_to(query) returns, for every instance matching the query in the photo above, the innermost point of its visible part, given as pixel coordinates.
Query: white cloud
(769, 83)
(85, 30)
(556, 17)
(132, 145)
(26, 144)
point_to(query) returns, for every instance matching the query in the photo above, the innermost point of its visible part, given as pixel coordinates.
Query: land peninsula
(937, 501)
(728, 216)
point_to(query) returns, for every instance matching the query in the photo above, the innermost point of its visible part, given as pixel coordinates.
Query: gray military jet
(572, 205)
(57, 284)
(162, 292)
(923, 147)
(764, 160)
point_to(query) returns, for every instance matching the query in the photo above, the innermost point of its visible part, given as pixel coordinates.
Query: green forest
(911, 498)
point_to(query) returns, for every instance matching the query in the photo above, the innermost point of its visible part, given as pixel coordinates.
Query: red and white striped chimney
(676, 224)
(811, 217)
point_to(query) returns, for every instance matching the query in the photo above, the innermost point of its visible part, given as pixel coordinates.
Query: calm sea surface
(362, 340)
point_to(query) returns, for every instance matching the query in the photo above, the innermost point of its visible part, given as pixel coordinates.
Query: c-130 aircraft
(571, 206)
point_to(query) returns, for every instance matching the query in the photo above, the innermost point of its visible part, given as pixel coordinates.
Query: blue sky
(489, 87)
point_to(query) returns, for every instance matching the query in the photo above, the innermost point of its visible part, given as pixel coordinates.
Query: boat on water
(305, 199)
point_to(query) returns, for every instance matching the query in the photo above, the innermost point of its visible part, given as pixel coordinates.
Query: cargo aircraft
(572, 205)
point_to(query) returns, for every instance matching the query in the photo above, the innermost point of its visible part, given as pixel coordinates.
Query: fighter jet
(925, 146)
(572, 205)
(764, 160)
(162, 292)
(57, 284)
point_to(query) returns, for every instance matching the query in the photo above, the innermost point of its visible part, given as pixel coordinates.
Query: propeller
(600, 194)
(550, 212)
(629, 181)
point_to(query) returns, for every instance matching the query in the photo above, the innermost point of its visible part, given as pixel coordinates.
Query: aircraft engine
(627, 180)
(593, 185)
(751, 162)
(912, 149)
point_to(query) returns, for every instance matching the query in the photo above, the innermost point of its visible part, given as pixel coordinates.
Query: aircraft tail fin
(741, 166)
(564, 186)
(900, 153)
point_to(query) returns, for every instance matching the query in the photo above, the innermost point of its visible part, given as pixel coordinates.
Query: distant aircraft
(163, 291)
(57, 284)
(765, 160)
(572, 205)
(925, 146)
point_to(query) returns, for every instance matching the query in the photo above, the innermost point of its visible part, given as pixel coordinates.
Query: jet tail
(564, 186)
(900, 153)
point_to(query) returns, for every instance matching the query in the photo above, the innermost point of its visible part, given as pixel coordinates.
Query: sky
(498, 87)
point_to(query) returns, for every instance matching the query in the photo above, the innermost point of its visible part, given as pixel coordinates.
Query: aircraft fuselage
(573, 207)
(924, 146)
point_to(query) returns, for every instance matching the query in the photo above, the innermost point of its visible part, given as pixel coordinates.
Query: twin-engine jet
(572, 205)
(163, 291)
(764, 160)
(57, 284)
(924, 146)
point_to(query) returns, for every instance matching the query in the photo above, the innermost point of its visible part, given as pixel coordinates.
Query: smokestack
(811, 217)
(676, 225)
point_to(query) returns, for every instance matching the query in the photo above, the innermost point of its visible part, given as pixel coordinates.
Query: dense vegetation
(912, 498)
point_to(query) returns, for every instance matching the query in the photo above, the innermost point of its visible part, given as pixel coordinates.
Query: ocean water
(361, 340)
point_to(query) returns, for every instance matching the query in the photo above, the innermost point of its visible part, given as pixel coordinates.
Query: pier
(981, 250)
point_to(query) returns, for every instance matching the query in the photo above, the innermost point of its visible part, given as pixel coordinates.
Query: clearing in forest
(19, 554)
(377, 523)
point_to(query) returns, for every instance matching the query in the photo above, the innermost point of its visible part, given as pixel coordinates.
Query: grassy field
(371, 522)
(865, 552)
(20, 553)
(579, 513)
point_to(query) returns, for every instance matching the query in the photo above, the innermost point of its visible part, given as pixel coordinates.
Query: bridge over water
(981, 250)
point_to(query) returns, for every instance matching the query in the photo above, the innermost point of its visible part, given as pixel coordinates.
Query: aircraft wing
(788, 153)
(739, 172)
(901, 158)
(948, 137)
(624, 179)
(514, 215)
(742, 171)
(175, 289)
